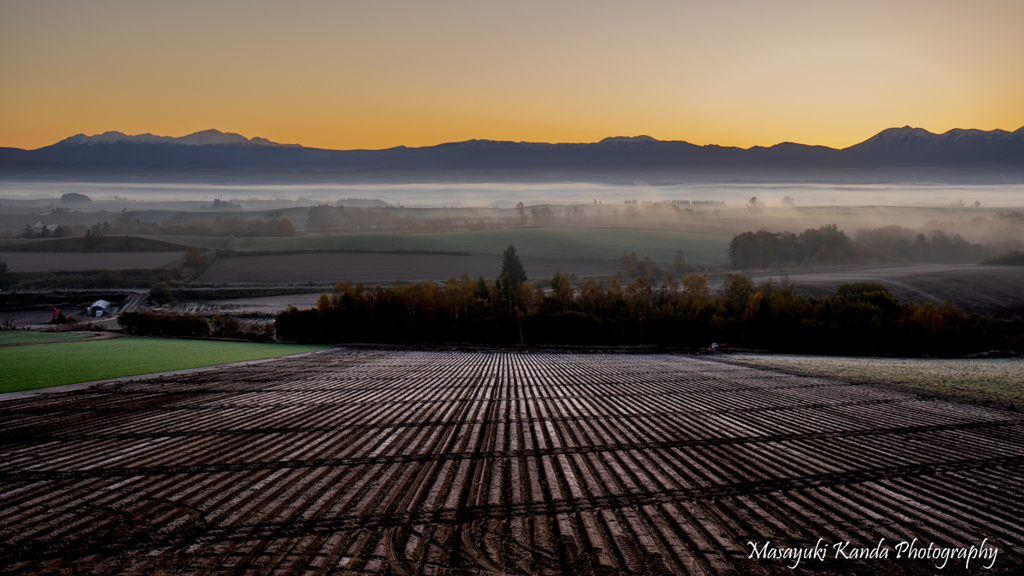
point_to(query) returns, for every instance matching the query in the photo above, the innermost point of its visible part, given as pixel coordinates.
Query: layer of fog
(915, 207)
(500, 195)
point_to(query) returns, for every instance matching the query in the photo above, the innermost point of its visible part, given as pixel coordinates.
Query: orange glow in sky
(376, 74)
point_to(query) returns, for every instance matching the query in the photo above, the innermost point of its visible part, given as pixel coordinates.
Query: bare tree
(755, 206)
(522, 214)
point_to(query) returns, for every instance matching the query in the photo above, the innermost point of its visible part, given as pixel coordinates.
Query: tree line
(860, 318)
(326, 217)
(829, 246)
(128, 224)
(193, 326)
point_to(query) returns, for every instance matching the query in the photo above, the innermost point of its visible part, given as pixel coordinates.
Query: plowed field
(500, 463)
(54, 261)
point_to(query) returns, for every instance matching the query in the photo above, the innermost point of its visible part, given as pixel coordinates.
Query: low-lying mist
(983, 214)
(506, 195)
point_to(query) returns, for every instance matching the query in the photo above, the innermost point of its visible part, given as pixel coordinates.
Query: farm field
(600, 244)
(974, 288)
(330, 267)
(996, 380)
(54, 261)
(211, 242)
(416, 462)
(262, 305)
(58, 363)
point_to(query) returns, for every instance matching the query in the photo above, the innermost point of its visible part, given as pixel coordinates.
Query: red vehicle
(60, 317)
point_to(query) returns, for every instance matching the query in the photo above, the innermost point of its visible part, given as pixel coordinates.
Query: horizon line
(636, 137)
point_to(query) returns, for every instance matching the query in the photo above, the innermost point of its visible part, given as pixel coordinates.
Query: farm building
(98, 308)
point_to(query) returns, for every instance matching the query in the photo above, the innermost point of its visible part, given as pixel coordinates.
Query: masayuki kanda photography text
(906, 550)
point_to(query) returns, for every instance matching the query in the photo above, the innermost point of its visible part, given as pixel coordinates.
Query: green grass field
(30, 367)
(23, 336)
(997, 381)
(600, 244)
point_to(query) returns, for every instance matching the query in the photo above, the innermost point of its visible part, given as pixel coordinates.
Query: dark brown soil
(54, 261)
(421, 462)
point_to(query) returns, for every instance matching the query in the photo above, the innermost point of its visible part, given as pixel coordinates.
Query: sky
(383, 73)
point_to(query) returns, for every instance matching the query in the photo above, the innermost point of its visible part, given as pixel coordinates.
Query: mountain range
(210, 155)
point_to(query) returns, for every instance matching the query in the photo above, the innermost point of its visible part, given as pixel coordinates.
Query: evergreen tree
(512, 267)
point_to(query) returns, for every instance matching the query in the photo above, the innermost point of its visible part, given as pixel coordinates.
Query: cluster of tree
(219, 204)
(150, 323)
(630, 266)
(662, 211)
(545, 216)
(824, 246)
(74, 198)
(326, 217)
(542, 215)
(227, 326)
(128, 224)
(219, 226)
(829, 246)
(195, 263)
(99, 229)
(193, 326)
(653, 210)
(697, 202)
(484, 224)
(894, 243)
(60, 231)
(160, 293)
(858, 319)
(1009, 258)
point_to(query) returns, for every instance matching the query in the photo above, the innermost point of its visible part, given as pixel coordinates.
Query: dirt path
(95, 336)
(425, 462)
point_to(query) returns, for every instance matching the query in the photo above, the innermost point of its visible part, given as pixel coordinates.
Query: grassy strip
(30, 367)
(596, 244)
(23, 336)
(997, 381)
(97, 244)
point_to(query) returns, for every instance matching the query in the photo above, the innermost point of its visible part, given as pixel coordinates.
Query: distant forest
(829, 246)
(129, 224)
(326, 217)
(861, 318)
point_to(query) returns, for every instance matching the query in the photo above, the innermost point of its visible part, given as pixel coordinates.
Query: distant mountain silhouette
(201, 138)
(918, 147)
(214, 155)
